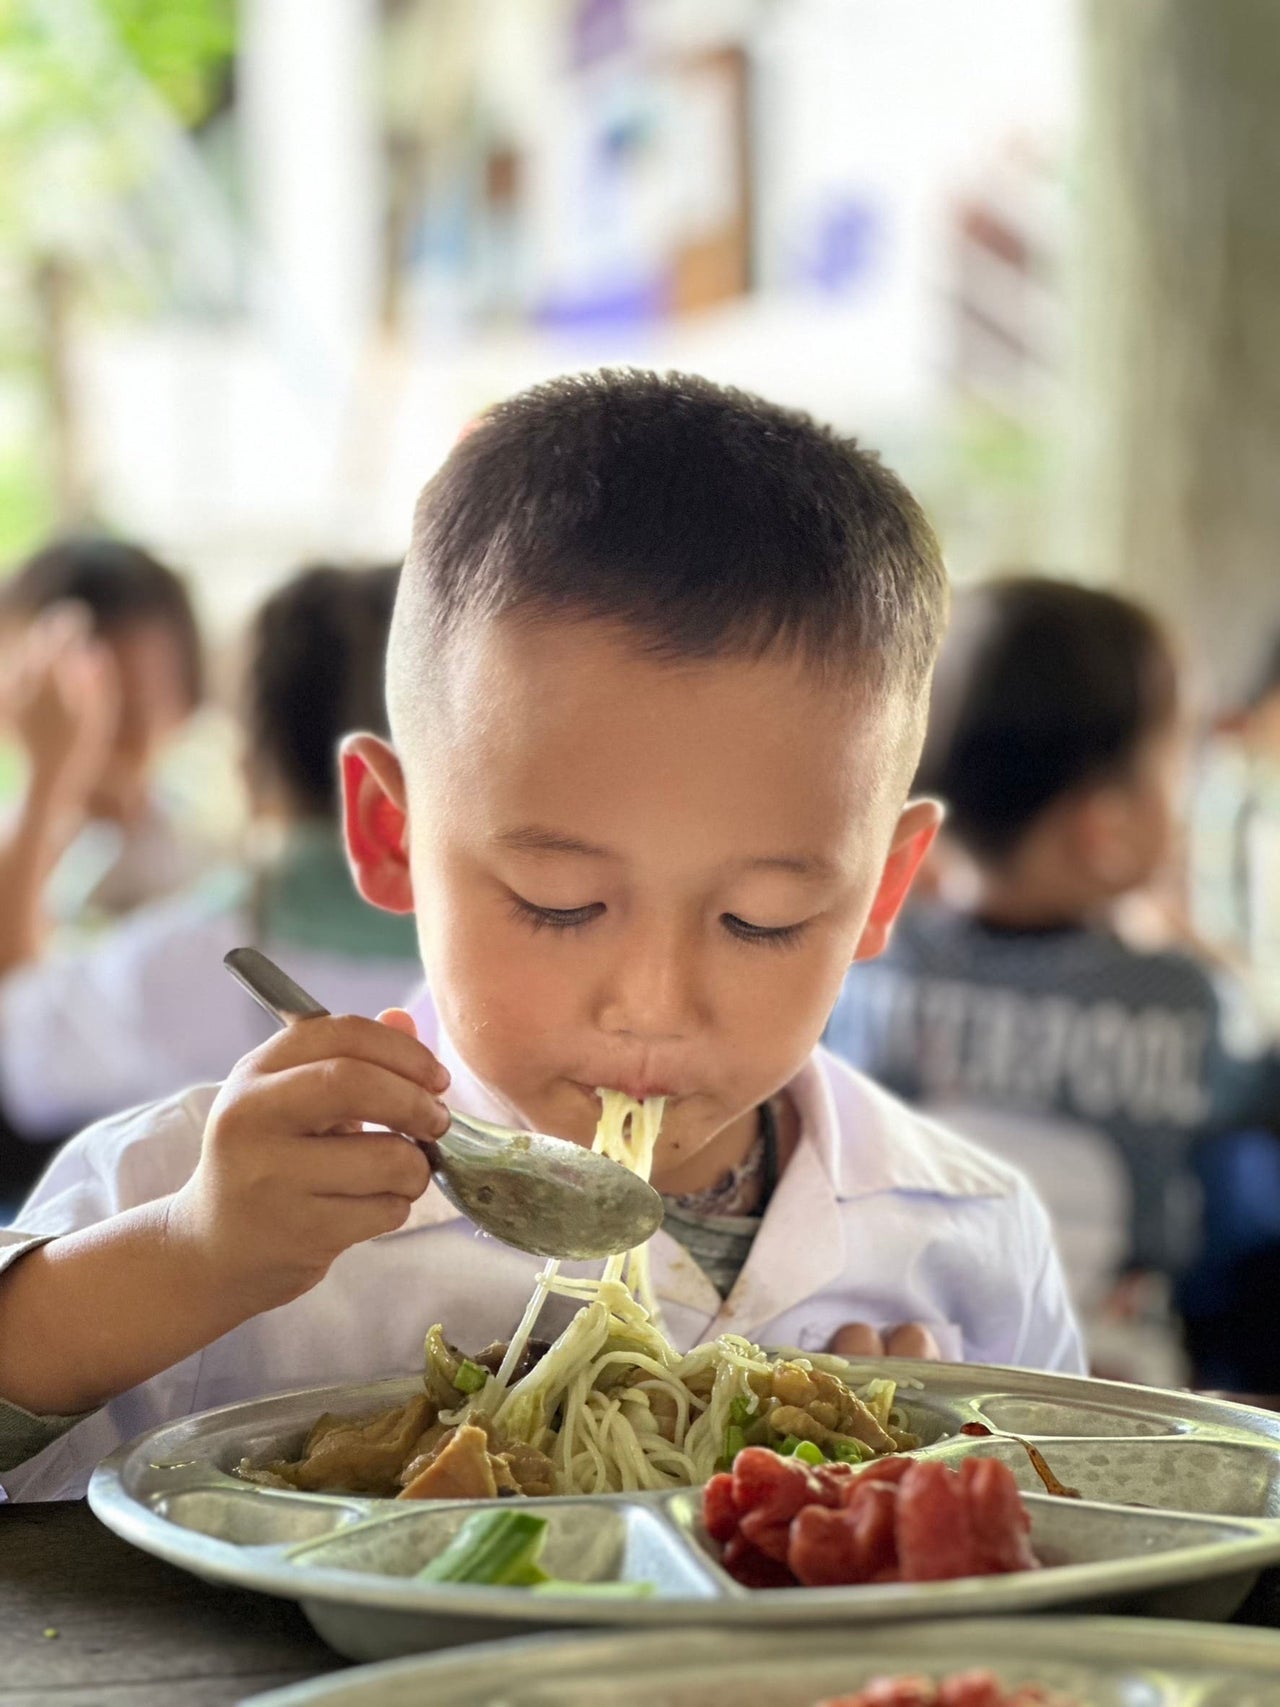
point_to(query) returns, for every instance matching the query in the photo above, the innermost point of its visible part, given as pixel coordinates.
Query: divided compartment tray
(1181, 1510)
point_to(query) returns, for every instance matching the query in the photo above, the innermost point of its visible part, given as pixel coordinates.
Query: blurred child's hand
(912, 1339)
(287, 1177)
(65, 702)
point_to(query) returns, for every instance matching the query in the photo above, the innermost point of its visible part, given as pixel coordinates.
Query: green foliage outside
(182, 46)
(69, 159)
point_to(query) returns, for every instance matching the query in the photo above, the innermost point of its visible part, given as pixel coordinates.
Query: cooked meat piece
(492, 1355)
(460, 1470)
(793, 1385)
(261, 1478)
(533, 1471)
(790, 1419)
(352, 1455)
(516, 1469)
(857, 1420)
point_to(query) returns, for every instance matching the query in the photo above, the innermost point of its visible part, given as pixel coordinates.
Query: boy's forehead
(577, 711)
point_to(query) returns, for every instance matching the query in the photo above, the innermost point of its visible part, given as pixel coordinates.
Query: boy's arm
(85, 1317)
(286, 1181)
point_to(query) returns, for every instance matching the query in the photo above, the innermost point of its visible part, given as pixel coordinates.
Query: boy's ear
(912, 838)
(375, 821)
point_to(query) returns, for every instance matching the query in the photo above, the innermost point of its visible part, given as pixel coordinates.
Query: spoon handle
(270, 987)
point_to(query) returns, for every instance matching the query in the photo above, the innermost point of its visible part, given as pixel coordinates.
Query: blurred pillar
(1181, 287)
(53, 292)
(311, 138)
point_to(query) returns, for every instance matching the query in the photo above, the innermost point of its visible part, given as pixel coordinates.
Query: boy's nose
(651, 995)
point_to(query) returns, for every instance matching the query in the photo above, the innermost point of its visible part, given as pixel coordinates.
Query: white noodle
(589, 1403)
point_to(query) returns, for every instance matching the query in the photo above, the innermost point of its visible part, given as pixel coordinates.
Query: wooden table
(88, 1621)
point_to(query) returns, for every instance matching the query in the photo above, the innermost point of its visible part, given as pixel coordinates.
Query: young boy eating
(657, 682)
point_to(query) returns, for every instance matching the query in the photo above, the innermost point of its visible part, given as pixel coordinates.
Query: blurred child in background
(1057, 742)
(147, 1008)
(100, 667)
(1235, 835)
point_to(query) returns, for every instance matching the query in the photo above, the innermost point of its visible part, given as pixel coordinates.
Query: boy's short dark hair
(317, 655)
(1042, 688)
(704, 520)
(120, 585)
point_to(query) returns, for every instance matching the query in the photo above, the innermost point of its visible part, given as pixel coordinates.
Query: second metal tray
(1096, 1662)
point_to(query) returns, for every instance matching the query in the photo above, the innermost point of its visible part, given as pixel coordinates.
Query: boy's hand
(912, 1339)
(287, 1178)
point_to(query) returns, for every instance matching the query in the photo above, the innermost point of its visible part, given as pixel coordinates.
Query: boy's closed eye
(573, 918)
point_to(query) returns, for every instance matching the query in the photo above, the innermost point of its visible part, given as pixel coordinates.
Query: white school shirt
(880, 1217)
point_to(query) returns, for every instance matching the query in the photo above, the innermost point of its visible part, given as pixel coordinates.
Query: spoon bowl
(540, 1194)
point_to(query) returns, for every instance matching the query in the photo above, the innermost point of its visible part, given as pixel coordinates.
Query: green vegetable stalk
(734, 1442)
(500, 1548)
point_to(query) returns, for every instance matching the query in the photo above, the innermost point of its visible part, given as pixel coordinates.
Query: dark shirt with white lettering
(1153, 1050)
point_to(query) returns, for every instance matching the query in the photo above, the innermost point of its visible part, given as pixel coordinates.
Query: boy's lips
(638, 1089)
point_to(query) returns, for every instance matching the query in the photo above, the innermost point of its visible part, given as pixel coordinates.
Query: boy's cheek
(500, 1011)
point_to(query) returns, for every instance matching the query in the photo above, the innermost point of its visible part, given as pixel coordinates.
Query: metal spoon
(539, 1194)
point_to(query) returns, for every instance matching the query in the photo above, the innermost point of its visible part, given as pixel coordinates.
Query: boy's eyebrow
(532, 838)
(801, 865)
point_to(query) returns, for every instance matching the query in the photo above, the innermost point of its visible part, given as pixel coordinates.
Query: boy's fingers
(333, 1037)
(912, 1339)
(365, 1164)
(857, 1339)
(400, 1019)
(360, 1218)
(323, 1096)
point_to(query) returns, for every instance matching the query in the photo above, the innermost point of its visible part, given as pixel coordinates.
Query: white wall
(296, 433)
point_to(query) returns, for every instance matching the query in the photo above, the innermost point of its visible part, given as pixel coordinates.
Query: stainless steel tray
(1181, 1511)
(1098, 1662)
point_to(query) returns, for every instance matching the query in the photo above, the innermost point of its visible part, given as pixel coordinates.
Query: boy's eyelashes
(554, 918)
(775, 936)
(573, 918)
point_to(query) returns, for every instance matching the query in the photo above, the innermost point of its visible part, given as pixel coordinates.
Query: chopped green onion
(496, 1547)
(809, 1452)
(734, 1442)
(471, 1377)
(758, 1432)
(742, 1410)
(845, 1450)
(786, 1448)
